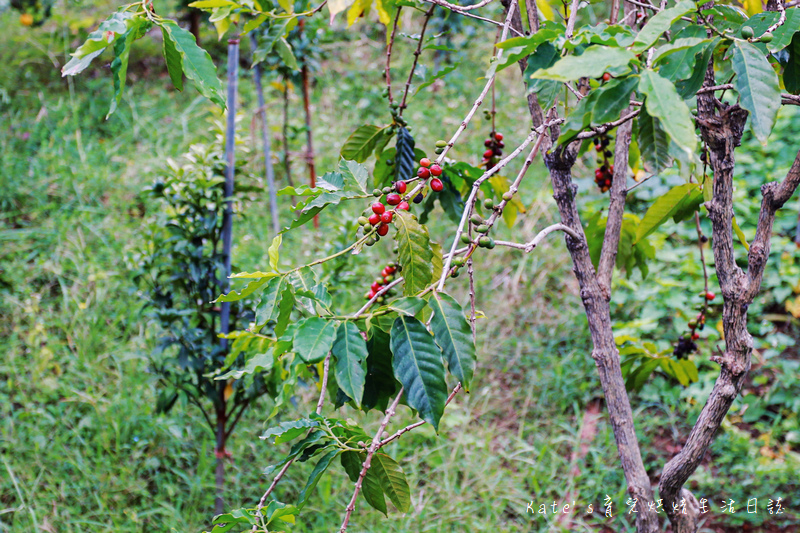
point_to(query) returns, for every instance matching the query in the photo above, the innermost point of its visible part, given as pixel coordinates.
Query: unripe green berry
(486, 242)
(438, 150)
(766, 38)
(483, 228)
(441, 143)
(377, 193)
(488, 203)
(465, 239)
(507, 196)
(362, 221)
(389, 279)
(476, 219)
(379, 299)
(459, 261)
(747, 32)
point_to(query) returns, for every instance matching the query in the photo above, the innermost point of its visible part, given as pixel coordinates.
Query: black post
(273, 198)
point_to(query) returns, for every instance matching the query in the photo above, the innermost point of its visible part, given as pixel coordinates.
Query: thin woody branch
(417, 53)
(529, 246)
(418, 423)
(368, 461)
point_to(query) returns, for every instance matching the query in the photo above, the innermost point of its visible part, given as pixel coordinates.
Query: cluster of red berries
(381, 216)
(386, 277)
(428, 169)
(494, 149)
(686, 344)
(604, 173)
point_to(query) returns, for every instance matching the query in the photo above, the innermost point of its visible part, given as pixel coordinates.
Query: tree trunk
(219, 473)
(194, 24)
(312, 176)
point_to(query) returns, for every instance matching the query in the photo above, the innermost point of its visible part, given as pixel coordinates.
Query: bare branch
(775, 195)
(389, 54)
(528, 247)
(616, 205)
(573, 15)
(417, 53)
(416, 424)
(473, 16)
(597, 130)
(368, 461)
(485, 90)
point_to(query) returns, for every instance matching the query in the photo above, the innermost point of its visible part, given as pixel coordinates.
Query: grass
(81, 447)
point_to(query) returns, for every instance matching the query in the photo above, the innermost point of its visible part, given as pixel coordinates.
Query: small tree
(181, 272)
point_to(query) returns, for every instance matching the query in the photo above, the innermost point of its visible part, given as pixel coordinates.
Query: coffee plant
(648, 87)
(180, 272)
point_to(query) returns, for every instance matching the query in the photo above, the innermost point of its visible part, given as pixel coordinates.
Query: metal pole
(230, 158)
(273, 198)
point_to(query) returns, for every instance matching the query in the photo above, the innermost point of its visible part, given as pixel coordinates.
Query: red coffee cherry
(710, 296)
(436, 184)
(606, 76)
(383, 229)
(393, 199)
(374, 218)
(378, 208)
(498, 136)
(424, 173)
(386, 218)
(436, 170)
(424, 162)
(403, 205)
(400, 187)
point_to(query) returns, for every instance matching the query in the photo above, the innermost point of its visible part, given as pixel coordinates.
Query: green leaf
(740, 234)
(418, 365)
(316, 474)
(362, 142)
(613, 98)
(546, 91)
(314, 439)
(664, 103)
(782, 35)
(356, 177)
(653, 142)
(454, 335)
(314, 338)
(414, 253)
(660, 23)
(405, 160)
(392, 480)
(665, 207)
(431, 79)
(273, 252)
(208, 4)
(262, 362)
(137, 27)
(408, 306)
(286, 54)
(97, 41)
(381, 384)
(686, 45)
(289, 430)
(196, 63)
(226, 522)
(688, 88)
(592, 63)
(371, 487)
(578, 119)
(350, 351)
(173, 60)
(791, 70)
(269, 307)
(758, 88)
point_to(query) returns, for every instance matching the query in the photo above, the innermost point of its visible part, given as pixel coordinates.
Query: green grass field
(82, 449)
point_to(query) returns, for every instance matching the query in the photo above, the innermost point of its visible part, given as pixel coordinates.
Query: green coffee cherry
(507, 196)
(747, 32)
(476, 219)
(486, 242)
(483, 228)
(438, 150)
(465, 239)
(441, 143)
(459, 261)
(377, 193)
(388, 279)
(362, 221)
(488, 203)
(387, 190)
(766, 38)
